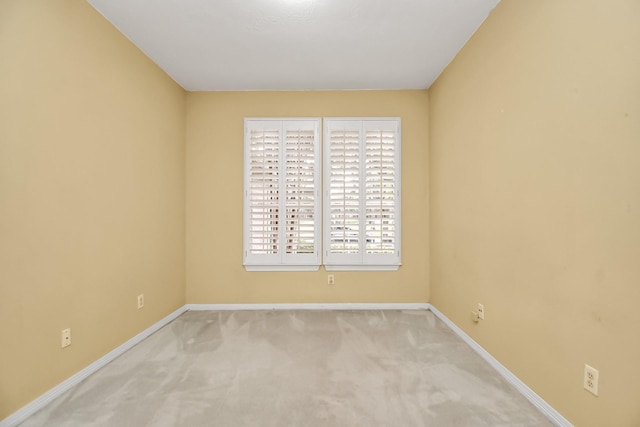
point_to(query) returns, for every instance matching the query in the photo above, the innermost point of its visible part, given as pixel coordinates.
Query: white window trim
(282, 261)
(361, 261)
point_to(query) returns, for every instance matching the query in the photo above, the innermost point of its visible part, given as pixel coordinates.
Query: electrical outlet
(331, 280)
(481, 311)
(140, 301)
(65, 338)
(591, 376)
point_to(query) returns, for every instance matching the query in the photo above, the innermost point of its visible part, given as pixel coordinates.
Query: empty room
(320, 213)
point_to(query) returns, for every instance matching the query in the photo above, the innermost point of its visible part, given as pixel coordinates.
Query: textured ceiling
(298, 44)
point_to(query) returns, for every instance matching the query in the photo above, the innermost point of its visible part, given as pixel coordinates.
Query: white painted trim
(361, 267)
(312, 306)
(554, 416)
(31, 408)
(281, 267)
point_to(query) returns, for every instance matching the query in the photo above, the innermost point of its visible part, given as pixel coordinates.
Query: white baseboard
(25, 412)
(554, 416)
(313, 306)
(31, 408)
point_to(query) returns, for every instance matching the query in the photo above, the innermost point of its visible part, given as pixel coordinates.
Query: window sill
(282, 267)
(361, 267)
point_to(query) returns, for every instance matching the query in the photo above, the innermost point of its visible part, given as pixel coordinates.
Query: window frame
(281, 260)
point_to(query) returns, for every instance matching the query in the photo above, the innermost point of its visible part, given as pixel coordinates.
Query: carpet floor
(295, 368)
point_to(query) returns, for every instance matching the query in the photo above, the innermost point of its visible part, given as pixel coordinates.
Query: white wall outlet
(65, 338)
(331, 280)
(591, 376)
(481, 311)
(140, 301)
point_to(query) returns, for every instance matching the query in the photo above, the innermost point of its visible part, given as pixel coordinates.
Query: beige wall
(91, 193)
(214, 199)
(535, 195)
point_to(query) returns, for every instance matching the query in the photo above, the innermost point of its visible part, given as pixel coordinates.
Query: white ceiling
(298, 44)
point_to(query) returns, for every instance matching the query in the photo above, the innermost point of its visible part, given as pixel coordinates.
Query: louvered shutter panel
(300, 190)
(264, 190)
(282, 194)
(344, 195)
(362, 194)
(380, 189)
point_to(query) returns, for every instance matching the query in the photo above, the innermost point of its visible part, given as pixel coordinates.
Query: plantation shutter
(362, 194)
(300, 189)
(264, 190)
(380, 188)
(282, 194)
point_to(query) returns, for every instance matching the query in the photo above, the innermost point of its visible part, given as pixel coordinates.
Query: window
(282, 208)
(286, 223)
(362, 194)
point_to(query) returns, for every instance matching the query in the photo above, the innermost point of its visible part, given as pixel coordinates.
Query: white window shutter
(343, 160)
(382, 188)
(264, 190)
(302, 193)
(282, 194)
(362, 194)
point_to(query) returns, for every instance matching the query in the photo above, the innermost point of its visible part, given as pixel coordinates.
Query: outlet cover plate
(65, 337)
(591, 377)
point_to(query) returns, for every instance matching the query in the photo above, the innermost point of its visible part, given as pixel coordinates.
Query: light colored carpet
(296, 368)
